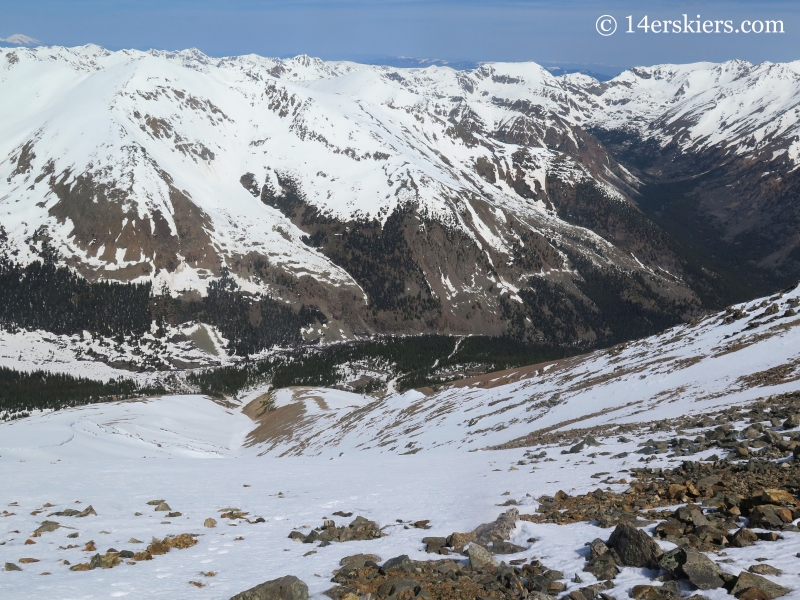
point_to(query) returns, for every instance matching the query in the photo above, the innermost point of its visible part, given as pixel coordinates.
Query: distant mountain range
(291, 200)
(19, 39)
(407, 62)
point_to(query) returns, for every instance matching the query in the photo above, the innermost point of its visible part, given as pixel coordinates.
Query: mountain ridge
(486, 192)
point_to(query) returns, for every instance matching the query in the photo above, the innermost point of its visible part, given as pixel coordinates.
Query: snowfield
(397, 460)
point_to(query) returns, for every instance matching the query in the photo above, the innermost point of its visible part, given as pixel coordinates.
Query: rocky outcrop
(360, 528)
(402, 577)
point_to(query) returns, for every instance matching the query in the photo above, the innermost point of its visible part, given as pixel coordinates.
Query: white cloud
(19, 39)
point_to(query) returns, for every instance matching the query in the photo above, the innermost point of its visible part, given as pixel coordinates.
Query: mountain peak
(19, 39)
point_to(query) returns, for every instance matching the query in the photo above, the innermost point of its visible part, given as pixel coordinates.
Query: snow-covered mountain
(721, 143)
(392, 200)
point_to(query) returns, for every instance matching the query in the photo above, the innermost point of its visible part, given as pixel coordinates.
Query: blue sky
(560, 33)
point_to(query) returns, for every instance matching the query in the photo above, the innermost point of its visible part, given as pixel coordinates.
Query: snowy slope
(751, 351)
(736, 105)
(119, 456)
(691, 369)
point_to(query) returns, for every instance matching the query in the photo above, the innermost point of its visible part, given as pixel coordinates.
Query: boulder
(754, 594)
(479, 557)
(47, 526)
(163, 507)
(750, 581)
(634, 547)
(400, 563)
(457, 541)
(597, 548)
(777, 497)
(356, 561)
(596, 589)
(603, 567)
(284, 588)
(769, 516)
(434, 544)
(670, 528)
(743, 537)
(652, 592)
(505, 548)
(12, 567)
(404, 585)
(765, 569)
(792, 422)
(499, 530)
(687, 563)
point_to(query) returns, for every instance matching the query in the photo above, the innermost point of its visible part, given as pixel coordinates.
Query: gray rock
(634, 547)
(597, 548)
(67, 512)
(499, 530)
(505, 548)
(765, 569)
(766, 516)
(594, 590)
(448, 567)
(385, 589)
(356, 561)
(285, 588)
(404, 585)
(792, 422)
(163, 507)
(479, 557)
(743, 538)
(604, 567)
(577, 448)
(434, 544)
(12, 567)
(398, 563)
(747, 581)
(47, 526)
(688, 563)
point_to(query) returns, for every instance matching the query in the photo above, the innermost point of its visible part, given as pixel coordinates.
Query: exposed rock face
(284, 588)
